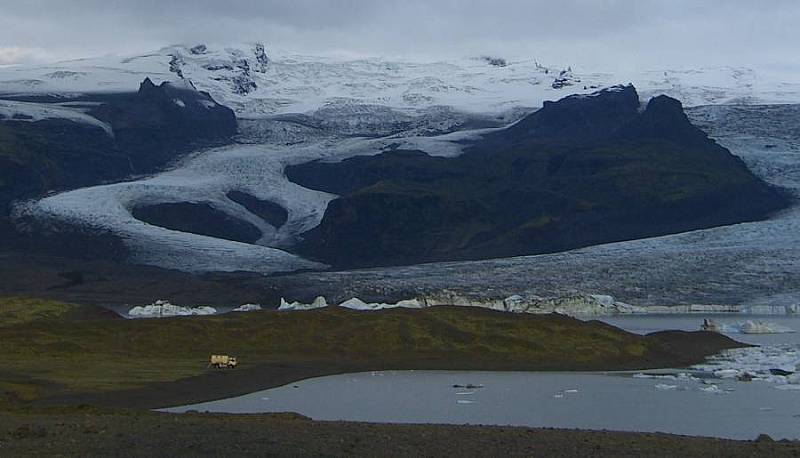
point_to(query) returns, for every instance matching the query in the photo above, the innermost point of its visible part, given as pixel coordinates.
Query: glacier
(301, 108)
(254, 85)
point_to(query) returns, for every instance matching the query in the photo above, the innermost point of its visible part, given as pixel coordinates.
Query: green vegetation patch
(52, 349)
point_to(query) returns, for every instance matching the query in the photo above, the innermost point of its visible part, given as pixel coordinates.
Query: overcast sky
(610, 34)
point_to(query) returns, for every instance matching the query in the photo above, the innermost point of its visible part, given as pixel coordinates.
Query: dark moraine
(197, 218)
(270, 212)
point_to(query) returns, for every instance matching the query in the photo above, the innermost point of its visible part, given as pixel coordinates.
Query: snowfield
(256, 84)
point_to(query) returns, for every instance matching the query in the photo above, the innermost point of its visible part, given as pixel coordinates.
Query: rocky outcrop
(197, 218)
(564, 79)
(495, 61)
(58, 148)
(261, 57)
(234, 67)
(585, 170)
(578, 119)
(159, 122)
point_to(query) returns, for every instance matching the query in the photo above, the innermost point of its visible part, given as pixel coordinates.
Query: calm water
(699, 402)
(644, 324)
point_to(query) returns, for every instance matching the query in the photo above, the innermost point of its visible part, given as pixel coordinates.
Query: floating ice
(762, 327)
(765, 363)
(319, 302)
(162, 308)
(357, 304)
(665, 387)
(712, 389)
(683, 376)
(353, 304)
(247, 308)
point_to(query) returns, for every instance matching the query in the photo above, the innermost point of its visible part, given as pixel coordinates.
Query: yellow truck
(223, 361)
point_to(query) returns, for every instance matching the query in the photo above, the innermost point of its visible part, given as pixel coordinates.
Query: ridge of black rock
(151, 128)
(578, 118)
(581, 171)
(157, 122)
(664, 119)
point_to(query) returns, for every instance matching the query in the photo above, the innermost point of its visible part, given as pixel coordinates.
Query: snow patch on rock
(32, 112)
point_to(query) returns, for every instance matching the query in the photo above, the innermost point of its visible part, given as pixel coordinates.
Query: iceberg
(357, 304)
(762, 327)
(247, 308)
(319, 302)
(164, 309)
(352, 303)
(769, 363)
(665, 387)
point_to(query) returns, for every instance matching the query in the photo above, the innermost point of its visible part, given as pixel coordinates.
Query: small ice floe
(727, 373)
(683, 376)
(768, 363)
(665, 387)
(763, 327)
(469, 386)
(265, 399)
(713, 389)
(247, 308)
(163, 309)
(465, 401)
(563, 393)
(747, 327)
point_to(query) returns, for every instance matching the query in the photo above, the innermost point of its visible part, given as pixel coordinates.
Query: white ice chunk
(247, 308)
(163, 309)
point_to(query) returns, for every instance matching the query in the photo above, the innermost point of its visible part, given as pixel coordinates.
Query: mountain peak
(581, 117)
(665, 119)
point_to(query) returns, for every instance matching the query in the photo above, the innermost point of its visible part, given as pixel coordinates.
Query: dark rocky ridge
(197, 218)
(159, 122)
(581, 171)
(150, 130)
(270, 212)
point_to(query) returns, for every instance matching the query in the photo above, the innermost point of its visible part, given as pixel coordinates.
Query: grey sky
(602, 33)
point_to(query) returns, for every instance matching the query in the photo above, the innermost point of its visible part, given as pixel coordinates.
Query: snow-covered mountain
(257, 84)
(295, 109)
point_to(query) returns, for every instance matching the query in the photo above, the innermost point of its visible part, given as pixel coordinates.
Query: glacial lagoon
(705, 400)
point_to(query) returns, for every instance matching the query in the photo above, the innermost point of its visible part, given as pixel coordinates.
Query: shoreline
(217, 385)
(97, 419)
